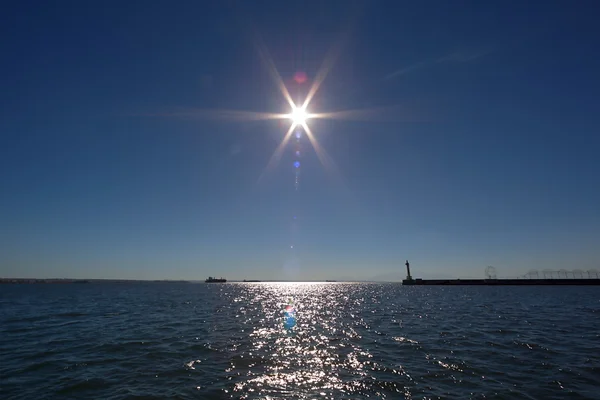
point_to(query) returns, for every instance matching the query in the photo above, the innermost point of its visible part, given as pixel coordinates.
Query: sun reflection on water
(324, 356)
(353, 341)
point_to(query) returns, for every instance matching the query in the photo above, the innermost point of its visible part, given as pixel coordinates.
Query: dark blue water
(352, 341)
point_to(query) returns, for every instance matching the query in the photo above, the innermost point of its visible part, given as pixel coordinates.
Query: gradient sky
(492, 158)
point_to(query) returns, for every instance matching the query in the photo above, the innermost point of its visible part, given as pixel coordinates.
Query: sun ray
(334, 52)
(321, 75)
(324, 70)
(326, 160)
(276, 156)
(332, 169)
(385, 113)
(272, 69)
(222, 114)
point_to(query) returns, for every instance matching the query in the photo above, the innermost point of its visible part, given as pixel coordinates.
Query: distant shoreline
(70, 280)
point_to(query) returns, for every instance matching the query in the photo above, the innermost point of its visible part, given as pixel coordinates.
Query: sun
(299, 115)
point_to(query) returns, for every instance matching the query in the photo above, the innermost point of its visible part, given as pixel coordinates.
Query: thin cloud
(459, 57)
(456, 57)
(406, 70)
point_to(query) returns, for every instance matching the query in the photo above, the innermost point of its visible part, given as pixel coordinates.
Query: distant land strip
(70, 280)
(63, 281)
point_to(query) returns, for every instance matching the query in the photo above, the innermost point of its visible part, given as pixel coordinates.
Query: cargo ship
(493, 281)
(215, 280)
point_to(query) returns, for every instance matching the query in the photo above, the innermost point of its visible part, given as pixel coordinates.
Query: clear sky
(490, 156)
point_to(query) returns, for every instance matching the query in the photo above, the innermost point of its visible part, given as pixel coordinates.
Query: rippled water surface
(351, 341)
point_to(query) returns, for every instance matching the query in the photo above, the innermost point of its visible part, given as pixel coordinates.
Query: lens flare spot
(297, 164)
(289, 315)
(300, 77)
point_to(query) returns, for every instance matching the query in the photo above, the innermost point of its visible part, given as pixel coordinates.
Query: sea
(350, 341)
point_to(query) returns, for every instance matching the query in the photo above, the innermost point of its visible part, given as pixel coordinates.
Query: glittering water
(353, 341)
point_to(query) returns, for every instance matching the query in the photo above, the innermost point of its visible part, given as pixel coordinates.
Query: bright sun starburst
(299, 115)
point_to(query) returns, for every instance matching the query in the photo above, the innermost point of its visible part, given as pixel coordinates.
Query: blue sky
(490, 156)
